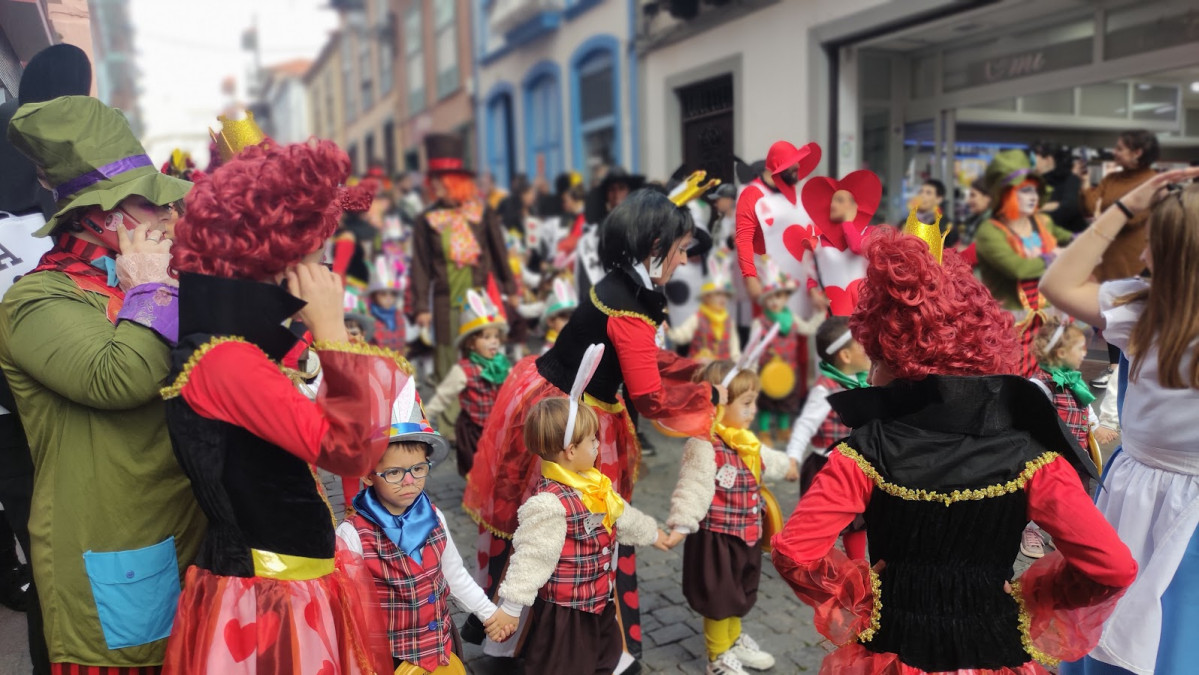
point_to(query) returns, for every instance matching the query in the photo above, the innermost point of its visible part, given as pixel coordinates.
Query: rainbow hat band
(479, 313)
(408, 423)
(775, 280)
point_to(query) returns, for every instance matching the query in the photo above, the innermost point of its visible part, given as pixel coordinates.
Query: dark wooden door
(707, 112)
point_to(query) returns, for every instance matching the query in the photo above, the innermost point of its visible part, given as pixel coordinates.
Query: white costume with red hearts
(840, 268)
(784, 227)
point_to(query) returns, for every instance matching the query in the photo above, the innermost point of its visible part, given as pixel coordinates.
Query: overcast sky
(185, 49)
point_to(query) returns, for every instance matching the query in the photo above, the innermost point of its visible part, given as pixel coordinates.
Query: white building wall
(289, 111)
(610, 17)
(767, 52)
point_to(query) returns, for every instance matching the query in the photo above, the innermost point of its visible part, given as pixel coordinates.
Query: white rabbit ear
(476, 303)
(587, 367)
(756, 352)
(402, 410)
(561, 290)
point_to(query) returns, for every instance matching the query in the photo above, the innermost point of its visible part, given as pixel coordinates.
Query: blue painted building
(556, 86)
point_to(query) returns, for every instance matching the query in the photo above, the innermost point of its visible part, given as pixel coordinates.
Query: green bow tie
(1064, 379)
(495, 369)
(848, 381)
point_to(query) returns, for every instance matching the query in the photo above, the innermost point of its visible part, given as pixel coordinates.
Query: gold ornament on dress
(930, 233)
(236, 135)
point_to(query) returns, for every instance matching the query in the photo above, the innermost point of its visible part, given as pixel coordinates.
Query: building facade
(286, 100)
(325, 90)
(369, 97)
(557, 86)
(435, 82)
(29, 26)
(114, 59)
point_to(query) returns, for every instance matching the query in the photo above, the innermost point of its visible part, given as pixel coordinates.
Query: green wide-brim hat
(89, 155)
(1008, 169)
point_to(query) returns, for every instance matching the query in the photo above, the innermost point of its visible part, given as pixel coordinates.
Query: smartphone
(104, 224)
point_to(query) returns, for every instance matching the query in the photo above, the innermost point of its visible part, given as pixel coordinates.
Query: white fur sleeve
(466, 592)
(734, 342)
(774, 464)
(696, 487)
(452, 385)
(349, 534)
(537, 545)
(635, 528)
(809, 325)
(682, 333)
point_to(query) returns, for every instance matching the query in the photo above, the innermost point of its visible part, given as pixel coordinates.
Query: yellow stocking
(733, 626)
(716, 635)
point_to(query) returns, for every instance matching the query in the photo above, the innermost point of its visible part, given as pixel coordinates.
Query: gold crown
(179, 160)
(236, 135)
(931, 234)
(693, 188)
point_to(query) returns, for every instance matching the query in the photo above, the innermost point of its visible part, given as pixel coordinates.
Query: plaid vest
(478, 398)
(583, 578)
(832, 429)
(395, 340)
(413, 596)
(735, 510)
(1074, 415)
(705, 344)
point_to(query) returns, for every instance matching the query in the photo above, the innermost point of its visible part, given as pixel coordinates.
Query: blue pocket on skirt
(135, 592)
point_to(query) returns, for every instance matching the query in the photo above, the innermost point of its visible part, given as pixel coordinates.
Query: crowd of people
(192, 346)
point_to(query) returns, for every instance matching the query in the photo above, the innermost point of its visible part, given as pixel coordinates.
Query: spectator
(978, 206)
(1055, 164)
(1135, 152)
(930, 201)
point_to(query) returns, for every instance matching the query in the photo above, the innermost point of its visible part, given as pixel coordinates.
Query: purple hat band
(1018, 173)
(102, 173)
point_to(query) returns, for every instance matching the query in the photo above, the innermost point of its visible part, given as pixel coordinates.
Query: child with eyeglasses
(406, 546)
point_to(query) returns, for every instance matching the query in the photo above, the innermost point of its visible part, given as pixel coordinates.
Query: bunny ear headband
(477, 304)
(752, 352)
(591, 360)
(1057, 335)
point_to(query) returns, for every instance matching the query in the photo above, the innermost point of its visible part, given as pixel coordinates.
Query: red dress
(947, 475)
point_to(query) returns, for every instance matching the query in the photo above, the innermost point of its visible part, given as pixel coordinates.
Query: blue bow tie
(408, 532)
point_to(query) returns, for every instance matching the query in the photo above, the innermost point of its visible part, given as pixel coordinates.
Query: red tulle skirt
(258, 626)
(505, 472)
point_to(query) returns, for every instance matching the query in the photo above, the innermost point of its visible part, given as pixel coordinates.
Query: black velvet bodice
(949, 457)
(255, 494)
(619, 293)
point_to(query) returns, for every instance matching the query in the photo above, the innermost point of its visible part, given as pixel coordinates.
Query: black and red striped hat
(445, 153)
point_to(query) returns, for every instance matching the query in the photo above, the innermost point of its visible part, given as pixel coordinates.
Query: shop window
(1002, 104)
(1019, 54)
(1060, 102)
(1149, 26)
(874, 76)
(1155, 102)
(543, 121)
(924, 76)
(1104, 100)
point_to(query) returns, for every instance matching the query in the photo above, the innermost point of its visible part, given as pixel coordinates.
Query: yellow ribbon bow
(596, 489)
(746, 445)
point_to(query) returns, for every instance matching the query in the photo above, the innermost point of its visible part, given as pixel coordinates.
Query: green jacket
(1000, 266)
(106, 478)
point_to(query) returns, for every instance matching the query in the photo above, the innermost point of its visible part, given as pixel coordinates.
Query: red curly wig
(460, 187)
(262, 212)
(919, 318)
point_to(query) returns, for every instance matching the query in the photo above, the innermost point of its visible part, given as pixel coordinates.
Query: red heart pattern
(241, 640)
(631, 599)
(635, 633)
(799, 239)
(327, 668)
(843, 300)
(628, 565)
(817, 197)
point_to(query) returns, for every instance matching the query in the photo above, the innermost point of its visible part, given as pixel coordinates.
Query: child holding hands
(717, 505)
(407, 548)
(564, 558)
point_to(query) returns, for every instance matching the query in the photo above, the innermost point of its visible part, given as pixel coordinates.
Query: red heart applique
(327, 668)
(769, 222)
(241, 640)
(817, 197)
(631, 599)
(312, 614)
(628, 565)
(635, 633)
(497, 547)
(842, 301)
(799, 239)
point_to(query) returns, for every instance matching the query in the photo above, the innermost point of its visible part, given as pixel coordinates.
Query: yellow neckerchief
(747, 446)
(716, 318)
(551, 336)
(596, 488)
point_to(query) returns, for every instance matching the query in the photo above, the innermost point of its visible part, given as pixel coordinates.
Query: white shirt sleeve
(1119, 319)
(815, 410)
(452, 385)
(466, 592)
(349, 534)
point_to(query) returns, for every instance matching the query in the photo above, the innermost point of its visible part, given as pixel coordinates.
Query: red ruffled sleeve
(842, 591)
(660, 386)
(345, 431)
(748, 238)
(1066, 596)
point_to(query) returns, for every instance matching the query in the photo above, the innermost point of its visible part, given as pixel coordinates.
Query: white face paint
(1027, 199)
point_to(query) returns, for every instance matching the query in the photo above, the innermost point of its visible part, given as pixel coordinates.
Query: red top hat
(445, 154)
(783, 156)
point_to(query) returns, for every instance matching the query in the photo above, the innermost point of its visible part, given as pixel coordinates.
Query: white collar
(643, 274)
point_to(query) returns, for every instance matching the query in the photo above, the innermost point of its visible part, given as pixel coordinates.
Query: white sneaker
(725, 664)
(750, 654)
(1031, 543)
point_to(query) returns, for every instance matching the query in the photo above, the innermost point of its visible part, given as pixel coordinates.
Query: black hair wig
(646, 224)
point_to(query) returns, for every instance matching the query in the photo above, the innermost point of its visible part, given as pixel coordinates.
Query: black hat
(596, 208)
(57, 70)
(445, 154)
(724, 190)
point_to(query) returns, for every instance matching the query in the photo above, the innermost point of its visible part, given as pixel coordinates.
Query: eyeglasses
(396, 476)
